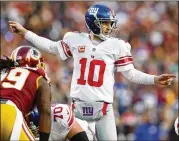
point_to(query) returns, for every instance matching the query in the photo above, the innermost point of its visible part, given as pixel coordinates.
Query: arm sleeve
(124, 60)
(57, 48)
(139, 77)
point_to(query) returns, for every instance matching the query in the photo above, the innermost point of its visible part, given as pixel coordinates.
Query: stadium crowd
(142, 112)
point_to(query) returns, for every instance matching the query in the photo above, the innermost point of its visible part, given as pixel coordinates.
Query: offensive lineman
(64, 124)
(96, 57)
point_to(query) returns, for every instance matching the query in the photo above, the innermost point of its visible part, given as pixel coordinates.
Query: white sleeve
(57, 48)
(139, 77)
(124, 60)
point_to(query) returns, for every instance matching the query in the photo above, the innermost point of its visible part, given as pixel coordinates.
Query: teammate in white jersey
(64, 125)
(96, 57)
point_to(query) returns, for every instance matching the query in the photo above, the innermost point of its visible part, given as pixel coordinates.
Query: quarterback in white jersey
(94, 65)
(96, 58)
(64, 125)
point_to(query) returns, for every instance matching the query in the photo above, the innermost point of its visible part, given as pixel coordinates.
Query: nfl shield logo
(81, 49)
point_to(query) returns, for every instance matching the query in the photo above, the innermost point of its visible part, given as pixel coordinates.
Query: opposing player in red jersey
(23, 86)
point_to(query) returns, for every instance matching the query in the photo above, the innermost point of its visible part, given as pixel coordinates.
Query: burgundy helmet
(27, 56)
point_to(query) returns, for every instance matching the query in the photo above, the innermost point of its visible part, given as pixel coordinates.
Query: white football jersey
(62, 121)
(94, 65)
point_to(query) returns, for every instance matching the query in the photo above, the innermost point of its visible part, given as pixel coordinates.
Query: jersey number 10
(92, 66)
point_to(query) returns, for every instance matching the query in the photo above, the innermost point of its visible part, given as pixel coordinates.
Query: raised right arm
(57, 48)
(42, 43)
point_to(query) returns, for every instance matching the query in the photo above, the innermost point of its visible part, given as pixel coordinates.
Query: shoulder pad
(76, 31)
(41, 72)
(72, 34)
(67, 34)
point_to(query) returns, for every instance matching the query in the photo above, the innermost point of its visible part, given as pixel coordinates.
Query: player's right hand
(17, 28)
(164, 79)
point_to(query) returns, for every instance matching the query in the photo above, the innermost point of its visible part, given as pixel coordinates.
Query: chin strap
(102, 37)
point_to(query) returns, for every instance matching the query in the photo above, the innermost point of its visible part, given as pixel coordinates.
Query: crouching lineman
(24, 85)
(64, 125)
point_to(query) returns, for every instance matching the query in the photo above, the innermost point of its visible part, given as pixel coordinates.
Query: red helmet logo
(27, 56)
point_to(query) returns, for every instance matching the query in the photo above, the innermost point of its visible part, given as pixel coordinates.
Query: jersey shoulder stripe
(122, 61)
(66, 49)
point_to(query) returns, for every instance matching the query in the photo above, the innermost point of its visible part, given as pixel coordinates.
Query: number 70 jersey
(94, 65)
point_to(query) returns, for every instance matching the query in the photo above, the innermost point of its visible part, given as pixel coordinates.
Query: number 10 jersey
(94, 65)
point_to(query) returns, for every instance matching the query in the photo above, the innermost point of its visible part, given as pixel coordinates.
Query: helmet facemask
(32, 120)
(99, 22)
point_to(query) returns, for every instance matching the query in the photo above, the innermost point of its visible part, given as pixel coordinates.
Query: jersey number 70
(92, 66)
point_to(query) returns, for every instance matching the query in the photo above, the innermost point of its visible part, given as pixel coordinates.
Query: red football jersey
(20, 86)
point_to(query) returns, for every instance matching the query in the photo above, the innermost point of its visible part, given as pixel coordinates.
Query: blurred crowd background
(143, 113)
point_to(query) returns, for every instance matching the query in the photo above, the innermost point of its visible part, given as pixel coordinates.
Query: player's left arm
(124, 65)
(147, 79)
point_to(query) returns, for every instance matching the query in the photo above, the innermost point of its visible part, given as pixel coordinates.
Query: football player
(23, 86)
(64, 124)
(96, 57)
